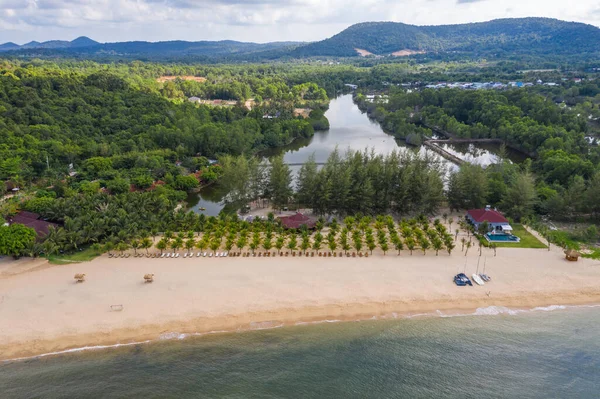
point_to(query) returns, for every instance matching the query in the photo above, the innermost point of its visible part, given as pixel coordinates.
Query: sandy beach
(43, 310)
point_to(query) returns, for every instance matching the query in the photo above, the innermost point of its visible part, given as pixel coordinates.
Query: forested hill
(136, 49)
(524, 35)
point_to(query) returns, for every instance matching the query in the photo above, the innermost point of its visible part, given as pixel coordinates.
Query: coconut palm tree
(214, 245)
(267, 244)
(437, 245)
(410, 244)
(449, 247)
(293, 243)
(424, 244)
(177, 243)
(332, 245)
(384, 247)
(146, 243)
(162, 244)
(190, 243)
(279, 243)
(468, 245)
(463, 241)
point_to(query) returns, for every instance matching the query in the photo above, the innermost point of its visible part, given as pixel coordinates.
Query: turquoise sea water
(541, 354)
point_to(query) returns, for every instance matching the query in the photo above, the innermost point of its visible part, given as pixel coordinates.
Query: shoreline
(43, 310)
(284, 318)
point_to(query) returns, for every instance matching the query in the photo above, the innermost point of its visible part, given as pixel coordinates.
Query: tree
(437, 245)
(521, 197)
(463, 241)
(280, 180)
(467, 188)
(279, 243)
(16, 239)
(384, 247)
(214, 245)
(424, 244)
(410, 244)
(306, 186)
(122, 247)
(146, 244)
(332, 245)
(468, 245)
(135, 244)
(190, 243)
(177, 243)
(293, 242)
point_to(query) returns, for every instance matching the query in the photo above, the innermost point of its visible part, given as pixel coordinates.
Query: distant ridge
(532, 35)
(543, 37)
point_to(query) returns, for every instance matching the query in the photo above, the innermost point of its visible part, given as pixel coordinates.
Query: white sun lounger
(226, 254)
(162, 255)
(168, 255)
(198, 255)
(185, 255)
(204, 255)
(210, 255)
(177, 256)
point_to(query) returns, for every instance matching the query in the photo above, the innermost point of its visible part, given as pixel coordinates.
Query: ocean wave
(267, 325)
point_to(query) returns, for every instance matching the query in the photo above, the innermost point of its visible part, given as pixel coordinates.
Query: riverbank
(45, 311)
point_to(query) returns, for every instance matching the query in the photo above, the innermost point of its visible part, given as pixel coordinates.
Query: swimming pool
(502, 238)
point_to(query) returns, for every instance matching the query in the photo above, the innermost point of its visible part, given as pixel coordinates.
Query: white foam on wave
(81, 349)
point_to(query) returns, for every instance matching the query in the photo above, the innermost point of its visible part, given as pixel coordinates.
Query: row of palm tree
(383, 233)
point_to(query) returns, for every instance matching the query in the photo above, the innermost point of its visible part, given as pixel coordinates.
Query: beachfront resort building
(497, 223)
(297, 221)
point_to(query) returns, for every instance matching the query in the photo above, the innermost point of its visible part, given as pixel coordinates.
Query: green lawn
(527, 239)
(64, 259)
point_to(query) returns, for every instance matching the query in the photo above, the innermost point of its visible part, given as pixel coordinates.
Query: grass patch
(86, 255)
(594, 255)
(528, 240)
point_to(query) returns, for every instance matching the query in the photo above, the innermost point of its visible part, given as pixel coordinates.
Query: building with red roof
(496, 221)
(32, 220)
(298, 220)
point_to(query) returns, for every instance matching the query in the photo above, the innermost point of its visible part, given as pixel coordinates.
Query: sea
(495, 352)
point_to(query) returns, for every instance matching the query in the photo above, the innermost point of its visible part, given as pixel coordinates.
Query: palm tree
(456, 234)
(425, 244)
(398, 244)
(468, 245)
(494, 246)
(135, 244)
(449, 247)
(293, 243)
(437, 245)
(384, 247)
(463, 241)
(450, 221)
(332, 245)
(122, 247)
(146, 244)
(317, 244)
(162, 244)
(279, 243)
(358, 243)
(214, 245)
(177, 243)
(371, 246)
(349, 222)
(202, 244)
(410, 244)
(267, 244)
(190, 243)
(305, 244)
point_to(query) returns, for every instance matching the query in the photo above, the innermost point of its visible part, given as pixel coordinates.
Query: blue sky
(254, 20)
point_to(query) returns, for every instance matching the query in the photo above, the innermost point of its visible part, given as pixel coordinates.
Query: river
(350, 128)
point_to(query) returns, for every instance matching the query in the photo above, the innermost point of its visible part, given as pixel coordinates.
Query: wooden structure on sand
(572, 255)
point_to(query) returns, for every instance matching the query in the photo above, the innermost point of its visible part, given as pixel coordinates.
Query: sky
(254, 20)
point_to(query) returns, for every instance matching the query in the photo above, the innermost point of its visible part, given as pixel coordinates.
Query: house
(32, 220)
(298, 220)
(496, 221)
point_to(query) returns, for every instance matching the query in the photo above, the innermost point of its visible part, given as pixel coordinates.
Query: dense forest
(108, 151)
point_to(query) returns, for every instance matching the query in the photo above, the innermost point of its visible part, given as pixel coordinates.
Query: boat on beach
(462, 280)
(484, 276)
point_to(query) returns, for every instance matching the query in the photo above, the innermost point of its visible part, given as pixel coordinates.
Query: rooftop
(487, 215)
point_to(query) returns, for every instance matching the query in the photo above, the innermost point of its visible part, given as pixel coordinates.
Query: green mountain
(524, 35)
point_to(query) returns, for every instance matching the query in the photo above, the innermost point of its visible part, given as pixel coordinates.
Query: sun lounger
(226, 254)
(210, 255)
(162, 255)
(198, 254)
(177, 256)
(204, 255)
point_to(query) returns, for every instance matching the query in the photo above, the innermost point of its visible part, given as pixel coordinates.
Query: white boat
(475, 277)
(484, 276)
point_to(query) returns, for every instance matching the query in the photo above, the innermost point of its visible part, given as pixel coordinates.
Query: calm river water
(350, 128)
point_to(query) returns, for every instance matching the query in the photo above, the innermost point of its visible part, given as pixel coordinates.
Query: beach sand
(43, 310)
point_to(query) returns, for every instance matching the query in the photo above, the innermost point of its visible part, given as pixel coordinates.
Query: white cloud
(253, 20)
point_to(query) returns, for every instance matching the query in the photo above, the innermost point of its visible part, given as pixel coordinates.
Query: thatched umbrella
(572, 255)
(80, 277)
(148, 278)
